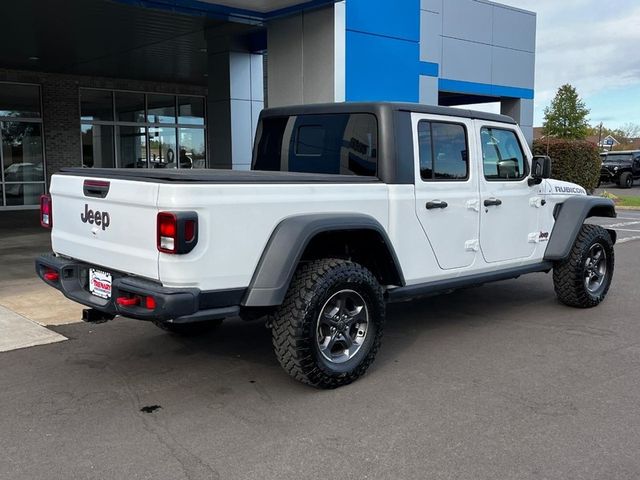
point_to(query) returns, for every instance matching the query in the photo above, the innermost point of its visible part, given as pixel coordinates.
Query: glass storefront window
(191, 110)
(97, 146)
(143, 130)
(162, 146)
(96, 105)
(132, 147)
(192, 148)
(19, 101)
(162, 108)
(18, 194)
(22, 166)
(129, 107)
(22, 152)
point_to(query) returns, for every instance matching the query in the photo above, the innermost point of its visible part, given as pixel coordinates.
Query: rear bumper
(178, 305)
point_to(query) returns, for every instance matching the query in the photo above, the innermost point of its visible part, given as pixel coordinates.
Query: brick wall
(61, 108)
(61, 122)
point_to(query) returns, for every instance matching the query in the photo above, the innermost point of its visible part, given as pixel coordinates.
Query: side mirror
(540, 169)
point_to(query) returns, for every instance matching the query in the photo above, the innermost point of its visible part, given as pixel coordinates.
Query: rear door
(106, 222)
(446, 188)
(509, 206)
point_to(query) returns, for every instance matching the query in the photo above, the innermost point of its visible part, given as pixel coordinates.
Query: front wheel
(328, 329)
(582, 280)
(626, 180)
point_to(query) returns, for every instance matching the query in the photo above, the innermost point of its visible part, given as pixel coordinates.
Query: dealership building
(181, 83)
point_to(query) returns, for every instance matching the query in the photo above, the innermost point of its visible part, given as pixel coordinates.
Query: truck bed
(159, 175)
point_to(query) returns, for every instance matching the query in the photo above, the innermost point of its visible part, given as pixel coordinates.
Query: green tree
(566, 117)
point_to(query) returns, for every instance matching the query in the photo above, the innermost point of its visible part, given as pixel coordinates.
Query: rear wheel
(626, 180)
(190, 329)
(583, 279)
(328, 329)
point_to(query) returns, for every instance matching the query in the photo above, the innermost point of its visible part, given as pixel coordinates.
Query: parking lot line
(623, 224)
(628, 239)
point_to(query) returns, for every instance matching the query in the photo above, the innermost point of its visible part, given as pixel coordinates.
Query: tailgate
(117, 232)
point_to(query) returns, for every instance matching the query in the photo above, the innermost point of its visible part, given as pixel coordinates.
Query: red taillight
(189, 230)
(177, 232)
(46, 211)
(128, 301)
(167, 229)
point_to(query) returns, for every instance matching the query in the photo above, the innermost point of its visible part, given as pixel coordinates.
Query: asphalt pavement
(496, 382)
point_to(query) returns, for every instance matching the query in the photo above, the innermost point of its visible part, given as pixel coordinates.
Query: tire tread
(291, 344)
(568, 282)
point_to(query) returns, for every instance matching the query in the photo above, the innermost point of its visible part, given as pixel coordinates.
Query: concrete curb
(17, 332)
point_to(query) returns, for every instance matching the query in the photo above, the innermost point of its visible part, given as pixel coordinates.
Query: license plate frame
(100, 283)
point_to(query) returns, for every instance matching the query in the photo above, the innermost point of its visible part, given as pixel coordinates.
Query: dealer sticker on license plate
(100, 283)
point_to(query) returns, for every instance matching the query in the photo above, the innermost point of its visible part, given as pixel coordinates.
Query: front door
(509, 206)
(446, 188)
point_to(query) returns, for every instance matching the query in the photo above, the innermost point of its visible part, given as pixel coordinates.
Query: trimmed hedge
(576, 161)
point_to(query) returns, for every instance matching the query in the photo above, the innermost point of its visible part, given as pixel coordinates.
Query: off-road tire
(626, 180)
(189, 329)
(294, 324)
(569, 275)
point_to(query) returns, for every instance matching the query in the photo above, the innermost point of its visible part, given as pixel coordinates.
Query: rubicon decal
(100, 219)
(578, 190)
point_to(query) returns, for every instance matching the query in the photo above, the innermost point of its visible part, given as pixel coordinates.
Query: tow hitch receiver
(91, 315)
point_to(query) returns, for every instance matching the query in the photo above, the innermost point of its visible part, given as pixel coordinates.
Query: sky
(593, 45)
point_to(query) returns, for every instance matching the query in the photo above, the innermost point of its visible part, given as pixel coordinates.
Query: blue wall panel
(383, 53)
(383, 50)
(457, 86)
(396, 18)
(381, 68)
(429, 69)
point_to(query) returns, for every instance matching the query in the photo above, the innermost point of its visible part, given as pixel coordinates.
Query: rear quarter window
(345, 144)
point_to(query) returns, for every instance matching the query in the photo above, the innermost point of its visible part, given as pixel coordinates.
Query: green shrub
(576, 161)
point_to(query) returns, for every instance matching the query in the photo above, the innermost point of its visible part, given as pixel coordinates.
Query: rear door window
(443, 151)
(345, 144)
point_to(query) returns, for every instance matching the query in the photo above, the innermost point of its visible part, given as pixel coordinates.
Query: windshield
(618, 157)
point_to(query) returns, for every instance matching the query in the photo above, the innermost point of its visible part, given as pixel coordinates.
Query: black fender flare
(288, 242)
(570, 216)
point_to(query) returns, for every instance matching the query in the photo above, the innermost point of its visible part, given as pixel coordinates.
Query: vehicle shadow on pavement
(431, 319)
(139, 348)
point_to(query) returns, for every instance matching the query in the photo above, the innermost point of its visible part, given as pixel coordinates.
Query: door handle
(490, 202)
(436, 204)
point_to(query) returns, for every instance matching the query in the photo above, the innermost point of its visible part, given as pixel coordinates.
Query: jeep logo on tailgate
(97, 217)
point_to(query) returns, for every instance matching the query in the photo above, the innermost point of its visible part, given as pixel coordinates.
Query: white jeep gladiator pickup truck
(347, 207)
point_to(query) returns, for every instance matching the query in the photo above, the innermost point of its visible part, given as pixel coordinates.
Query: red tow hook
(51, 276)
(127, 301)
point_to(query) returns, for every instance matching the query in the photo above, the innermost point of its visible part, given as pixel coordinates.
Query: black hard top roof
(379, 107)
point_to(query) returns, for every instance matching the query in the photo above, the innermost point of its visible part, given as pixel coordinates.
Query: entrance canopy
(165, 40)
